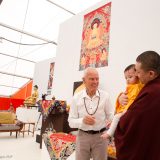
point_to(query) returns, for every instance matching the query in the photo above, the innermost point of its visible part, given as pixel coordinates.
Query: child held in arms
(132, 90)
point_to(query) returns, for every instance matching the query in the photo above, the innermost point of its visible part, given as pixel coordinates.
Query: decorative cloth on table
(48, 106)
(59, 145)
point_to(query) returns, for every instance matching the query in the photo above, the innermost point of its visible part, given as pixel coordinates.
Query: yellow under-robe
(132, 92)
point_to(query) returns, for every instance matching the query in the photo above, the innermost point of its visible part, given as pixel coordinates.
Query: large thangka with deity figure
(95, 38)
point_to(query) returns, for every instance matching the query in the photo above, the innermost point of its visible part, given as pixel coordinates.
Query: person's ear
(83, 79)
(152, 74)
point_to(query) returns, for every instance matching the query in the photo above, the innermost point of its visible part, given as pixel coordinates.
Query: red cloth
(64, 137)
(62, 145)
(137, 136)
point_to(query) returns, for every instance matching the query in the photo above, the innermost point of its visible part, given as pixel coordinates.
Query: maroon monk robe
(137, 136)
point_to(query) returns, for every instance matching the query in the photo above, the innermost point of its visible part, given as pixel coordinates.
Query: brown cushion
(7, 118)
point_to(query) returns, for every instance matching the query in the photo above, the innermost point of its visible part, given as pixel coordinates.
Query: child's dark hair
(130, 67)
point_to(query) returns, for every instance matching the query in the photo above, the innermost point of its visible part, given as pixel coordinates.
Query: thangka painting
(50, 80)
(95, 38)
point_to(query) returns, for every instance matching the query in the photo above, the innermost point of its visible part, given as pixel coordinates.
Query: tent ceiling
(28, 34)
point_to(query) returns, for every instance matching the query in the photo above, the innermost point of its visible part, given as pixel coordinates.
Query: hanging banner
(50, 81)
(95, 38)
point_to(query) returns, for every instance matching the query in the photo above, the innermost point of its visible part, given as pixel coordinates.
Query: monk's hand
(90, 120)
(123, 99)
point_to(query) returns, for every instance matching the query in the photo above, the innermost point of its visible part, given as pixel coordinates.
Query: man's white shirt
(78, 111)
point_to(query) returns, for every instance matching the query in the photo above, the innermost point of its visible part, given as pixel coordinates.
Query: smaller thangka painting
(50, 80)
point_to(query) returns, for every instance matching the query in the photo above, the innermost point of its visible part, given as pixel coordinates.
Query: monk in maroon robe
(137, 136)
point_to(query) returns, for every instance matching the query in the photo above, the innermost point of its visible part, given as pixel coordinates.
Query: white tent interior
(28, 34)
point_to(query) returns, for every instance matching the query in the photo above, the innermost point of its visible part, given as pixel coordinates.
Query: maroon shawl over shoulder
(137, 136)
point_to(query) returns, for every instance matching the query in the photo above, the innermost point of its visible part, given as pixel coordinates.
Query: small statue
(44, 97)
(11, 108)
(53, 100)
(31, 101)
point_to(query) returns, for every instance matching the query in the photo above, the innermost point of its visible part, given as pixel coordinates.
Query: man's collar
(86, 96)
